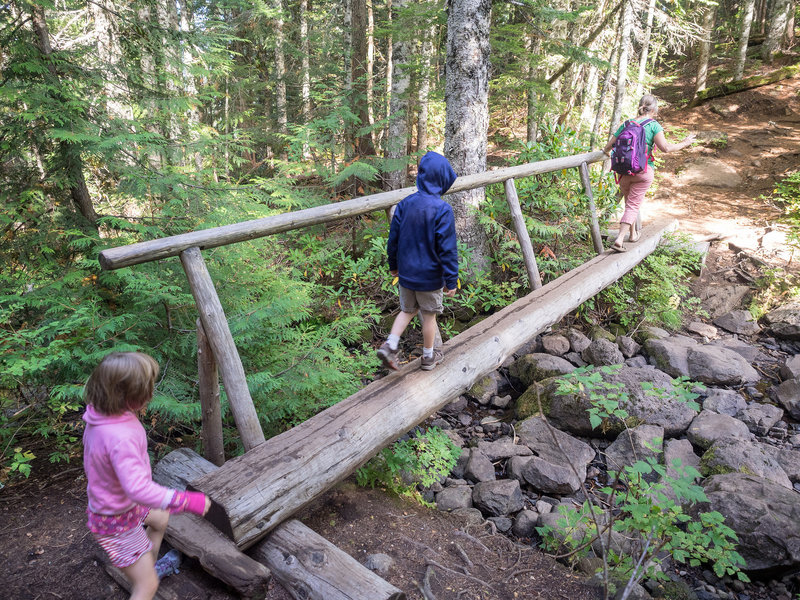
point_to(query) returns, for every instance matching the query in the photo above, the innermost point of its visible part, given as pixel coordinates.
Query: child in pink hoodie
(128, 512)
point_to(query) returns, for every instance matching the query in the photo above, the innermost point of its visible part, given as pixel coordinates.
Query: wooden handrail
(141, 252)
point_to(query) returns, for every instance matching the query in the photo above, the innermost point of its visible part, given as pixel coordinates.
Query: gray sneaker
(388, 356)
(429, 363)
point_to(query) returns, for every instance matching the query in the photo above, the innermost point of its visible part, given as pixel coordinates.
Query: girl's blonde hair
(648, 104)
(122, 381)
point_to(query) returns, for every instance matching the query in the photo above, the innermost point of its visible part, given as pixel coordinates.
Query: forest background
(135, 120)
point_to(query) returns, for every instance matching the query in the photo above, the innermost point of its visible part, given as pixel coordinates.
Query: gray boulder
(565, 449)
(603, 352)
(578, 342)
(632, 445)
(455, 497)
(759, 418)
(550, 478)
(479, 468)
(788, 459)
(739, 456)
(503, 448)
(486, 387)
(525, 523)
(682, 452)
(740, 322)
(784, 322)
(704, 329)
(535, 367)
(747, 351)
(724, 402)
(791, 368)
(670, 354)
(498, 498)
(719, 366)
(628, 346)
(709, 427)
(764, 515)
(788, 394)
(555, 344)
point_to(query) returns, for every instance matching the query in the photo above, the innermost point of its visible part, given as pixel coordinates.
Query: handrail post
(219, 337)
(594, 228)
(525, 245)
(208, 384)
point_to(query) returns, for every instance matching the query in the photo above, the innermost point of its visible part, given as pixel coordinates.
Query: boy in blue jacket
(423, 255)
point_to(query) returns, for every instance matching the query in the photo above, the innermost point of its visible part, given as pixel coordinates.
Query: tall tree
(360, 74)
(648, 32)
(777, 29)
(426, 48)
(467, 118)
(623, 42)
(704, 48)
(398, 112)
(748, 9)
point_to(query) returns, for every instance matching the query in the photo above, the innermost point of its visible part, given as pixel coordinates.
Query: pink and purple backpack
(630, 149)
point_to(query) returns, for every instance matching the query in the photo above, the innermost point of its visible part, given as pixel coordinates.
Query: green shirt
(650, 131)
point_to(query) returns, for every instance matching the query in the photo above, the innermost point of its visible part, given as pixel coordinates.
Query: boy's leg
(401, 322)
(143, 578)
(429, 329)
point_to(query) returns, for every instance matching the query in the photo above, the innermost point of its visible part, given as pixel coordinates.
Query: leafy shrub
(418, 461)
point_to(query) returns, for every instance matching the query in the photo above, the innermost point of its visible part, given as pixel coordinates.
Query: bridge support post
(528, 255)
(208, 384)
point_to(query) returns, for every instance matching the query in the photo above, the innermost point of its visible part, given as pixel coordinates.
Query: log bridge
(248, 535)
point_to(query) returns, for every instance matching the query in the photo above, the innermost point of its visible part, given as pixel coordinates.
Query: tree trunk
(280, 77)
(370, 63)
(398, 103)
(305, 50)
(777, 29)
(788, 39)
(602, 99)
(70, 153)
(704, 50)
(358, 65)
(428, 36)
(622, 64)
(467, 118)
(648, 32)
(744, 37)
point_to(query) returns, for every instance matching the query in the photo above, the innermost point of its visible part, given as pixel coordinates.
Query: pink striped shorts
(634, 187)
(123, 536)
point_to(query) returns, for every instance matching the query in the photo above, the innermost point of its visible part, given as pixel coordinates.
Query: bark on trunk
(280, 76)
(467, 118)
(704, 50)
(777, 29)
(622, 64)
(429, 34)
(305, 50)
(363, 140)
(398, 104)
(744, 37)
(648, 32)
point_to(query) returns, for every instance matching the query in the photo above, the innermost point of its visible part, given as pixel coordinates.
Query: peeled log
(254, 492)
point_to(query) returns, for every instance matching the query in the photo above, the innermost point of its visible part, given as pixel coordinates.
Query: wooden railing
(213, 330)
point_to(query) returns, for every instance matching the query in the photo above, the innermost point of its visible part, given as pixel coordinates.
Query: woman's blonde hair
(122, 381)
(648, 104)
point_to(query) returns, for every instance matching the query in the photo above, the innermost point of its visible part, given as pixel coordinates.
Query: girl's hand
(208, 505)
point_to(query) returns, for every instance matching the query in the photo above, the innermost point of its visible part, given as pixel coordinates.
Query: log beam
(305, 563)
(747, 83)
(255, 492)
(134, 254)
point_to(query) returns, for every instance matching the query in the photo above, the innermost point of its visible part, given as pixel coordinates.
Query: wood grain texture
(208, 386)
(594, 225)
(220, 339)
(134, 254)
(266, 485)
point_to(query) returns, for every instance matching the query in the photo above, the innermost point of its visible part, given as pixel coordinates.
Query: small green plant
(20, 462)
(417, 461)
(639, 516)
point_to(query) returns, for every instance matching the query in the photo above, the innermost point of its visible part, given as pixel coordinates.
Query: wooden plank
(208, 384)
(594, 225)
(309, 566)
(305, 563)
(196, 537)
(133, 254)
(255, 492)
(219, 337)
(525, 245)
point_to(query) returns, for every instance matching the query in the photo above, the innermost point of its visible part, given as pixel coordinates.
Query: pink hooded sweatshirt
(118, 467)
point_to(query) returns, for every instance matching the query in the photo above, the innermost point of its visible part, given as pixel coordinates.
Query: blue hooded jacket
(422, 236)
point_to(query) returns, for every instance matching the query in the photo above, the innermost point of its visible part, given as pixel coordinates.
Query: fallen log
(305, 563)
(255, 492)
(744, 84)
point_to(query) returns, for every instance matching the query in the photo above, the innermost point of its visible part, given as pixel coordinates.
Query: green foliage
(787, 196)
(421, 460)
(655, 292)
(644, 504)
(20, 462)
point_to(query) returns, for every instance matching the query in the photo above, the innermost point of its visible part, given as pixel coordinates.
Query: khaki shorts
(429, 302)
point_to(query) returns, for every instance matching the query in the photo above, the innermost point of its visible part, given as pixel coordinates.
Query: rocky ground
(716, 192)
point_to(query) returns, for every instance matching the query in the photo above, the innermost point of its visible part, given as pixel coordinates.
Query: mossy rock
(527, 404)
(597, 332)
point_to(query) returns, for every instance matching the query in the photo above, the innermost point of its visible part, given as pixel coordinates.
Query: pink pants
(634, 187)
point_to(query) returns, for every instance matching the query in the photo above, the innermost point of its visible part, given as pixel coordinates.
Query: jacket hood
(435, 174)
(93, 417)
